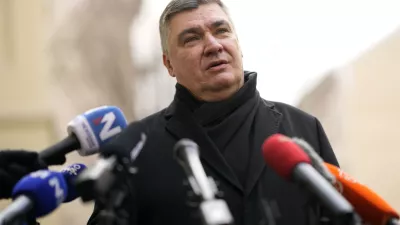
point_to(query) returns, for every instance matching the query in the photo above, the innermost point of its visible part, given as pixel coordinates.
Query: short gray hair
(178, 6)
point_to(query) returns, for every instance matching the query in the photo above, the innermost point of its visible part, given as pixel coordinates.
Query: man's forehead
(207, 23)
(204, 16)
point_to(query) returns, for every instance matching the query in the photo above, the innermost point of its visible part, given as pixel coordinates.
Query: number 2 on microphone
(58, 192)
(107, 130)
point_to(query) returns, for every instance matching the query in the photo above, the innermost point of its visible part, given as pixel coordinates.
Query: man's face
(204, 53)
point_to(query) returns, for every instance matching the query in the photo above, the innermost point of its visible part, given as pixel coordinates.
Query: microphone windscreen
(372, 208)
(70, 174)
(181, 145)
(97, 127)
(128, 145)
(283, 155)
(47, 190)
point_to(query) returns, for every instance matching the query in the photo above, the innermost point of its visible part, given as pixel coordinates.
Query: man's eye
(190, 39)
(222, 30)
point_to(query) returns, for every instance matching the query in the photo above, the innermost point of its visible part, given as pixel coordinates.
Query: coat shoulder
(296, 122)
(154, 119)
(290, 113)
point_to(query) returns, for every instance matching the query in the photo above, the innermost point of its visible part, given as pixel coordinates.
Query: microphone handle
(96, 180)
(200, 176)
(51, 155)
(306, 175)
(317, 161)
(19, 207)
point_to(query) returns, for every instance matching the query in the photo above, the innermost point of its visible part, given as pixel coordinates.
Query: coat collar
(181, 124)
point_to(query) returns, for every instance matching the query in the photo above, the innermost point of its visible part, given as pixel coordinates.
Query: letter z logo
(108, 131)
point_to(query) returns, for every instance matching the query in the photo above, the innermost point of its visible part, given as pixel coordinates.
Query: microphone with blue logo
(87, 132)
(40, 193)
(106, 122)
(108, 181)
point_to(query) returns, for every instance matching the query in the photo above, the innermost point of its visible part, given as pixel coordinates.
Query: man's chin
(222, 89)
(225, 80)
(222, 82)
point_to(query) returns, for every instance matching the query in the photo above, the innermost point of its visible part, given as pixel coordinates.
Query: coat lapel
(268, 120)
(182, 125)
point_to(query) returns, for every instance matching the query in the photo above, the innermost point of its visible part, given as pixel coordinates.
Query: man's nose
(213, 46)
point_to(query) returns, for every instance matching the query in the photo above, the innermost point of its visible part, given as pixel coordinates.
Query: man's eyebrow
(219, 23)
(197, 29)
(190, 30)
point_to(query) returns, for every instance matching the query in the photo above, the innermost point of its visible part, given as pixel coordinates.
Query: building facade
(359, 106)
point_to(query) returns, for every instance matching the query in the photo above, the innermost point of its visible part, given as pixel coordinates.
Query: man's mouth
(216, 64)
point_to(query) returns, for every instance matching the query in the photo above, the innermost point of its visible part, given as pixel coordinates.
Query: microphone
(41, 192)
(87, 132)
(372, 208)
(214, 211)
(316, 160)
(99, 179)
(290, 162)
(70, 174)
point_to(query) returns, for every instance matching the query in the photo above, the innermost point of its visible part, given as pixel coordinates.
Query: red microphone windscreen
(283, 155)
(372, 208)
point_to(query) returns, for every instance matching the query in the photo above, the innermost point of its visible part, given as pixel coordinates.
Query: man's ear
(168, 65)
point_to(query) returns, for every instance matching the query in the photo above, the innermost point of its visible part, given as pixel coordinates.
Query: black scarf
(229, 123)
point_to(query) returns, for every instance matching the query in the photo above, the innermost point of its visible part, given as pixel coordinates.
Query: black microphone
(214, 211)
(115, 157)
(316, 160)
(87, 132)
(109, 181)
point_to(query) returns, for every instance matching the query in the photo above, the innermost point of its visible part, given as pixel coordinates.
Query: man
(217, 106)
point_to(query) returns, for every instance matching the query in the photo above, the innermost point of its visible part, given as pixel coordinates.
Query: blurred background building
(359, 105)
(61, 58)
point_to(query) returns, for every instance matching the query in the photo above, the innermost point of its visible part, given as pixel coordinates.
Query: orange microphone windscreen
(372, 208)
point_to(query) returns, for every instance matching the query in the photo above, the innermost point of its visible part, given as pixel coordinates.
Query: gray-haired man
(217, 106)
